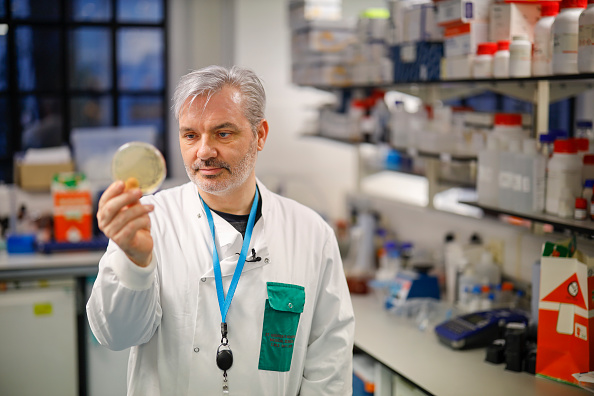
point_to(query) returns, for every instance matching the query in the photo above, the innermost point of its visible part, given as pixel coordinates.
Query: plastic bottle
(564, 33)
(547, 142)
(399, 125)
(583, 129)
(541, 56)
(583, 146)
(520, 57)
(581, 209)
(488, 173)
(487, 272)
(466, 282)
(564, 173)
(482, 66)
(588, 167)
(501, 60)
(533, 165)
(509, 178)
(585, 40)
(508, 127)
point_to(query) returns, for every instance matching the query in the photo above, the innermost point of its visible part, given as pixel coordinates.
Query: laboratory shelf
(585, 227)
(409, 151)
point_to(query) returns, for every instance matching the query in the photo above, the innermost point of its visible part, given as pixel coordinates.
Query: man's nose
(206, 149)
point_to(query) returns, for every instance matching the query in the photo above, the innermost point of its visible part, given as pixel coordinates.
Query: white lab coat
(168, 312)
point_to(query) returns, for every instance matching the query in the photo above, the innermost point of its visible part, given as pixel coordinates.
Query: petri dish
(141, 161)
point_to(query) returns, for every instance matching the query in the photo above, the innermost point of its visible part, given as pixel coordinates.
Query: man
(266, 310)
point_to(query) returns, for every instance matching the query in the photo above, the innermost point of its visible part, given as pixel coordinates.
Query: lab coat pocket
(281, 317)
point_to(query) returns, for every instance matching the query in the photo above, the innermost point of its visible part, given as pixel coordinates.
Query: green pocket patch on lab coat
(281, 317)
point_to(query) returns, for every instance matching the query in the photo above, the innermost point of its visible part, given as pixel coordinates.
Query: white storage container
(564, 175)
(542, 54)
(501, 60)
(482, 66)
(520, 57)
(564, 33)
(586, 40)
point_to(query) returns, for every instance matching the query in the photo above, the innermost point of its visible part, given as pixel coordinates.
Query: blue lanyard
(224, 303)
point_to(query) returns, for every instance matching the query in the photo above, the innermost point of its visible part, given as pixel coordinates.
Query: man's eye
(189, 136)
(224, 134)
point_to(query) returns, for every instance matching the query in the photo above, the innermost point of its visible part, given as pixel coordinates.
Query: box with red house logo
(565, 317)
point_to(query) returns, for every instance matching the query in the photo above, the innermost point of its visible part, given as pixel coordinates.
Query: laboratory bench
(398, 344)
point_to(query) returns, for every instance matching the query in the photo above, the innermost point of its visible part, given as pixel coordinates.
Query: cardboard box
(565, 322)
(73, 208)
(38, 177)
(300, 12)
(464, 38)
(508, 20)
(462, 11)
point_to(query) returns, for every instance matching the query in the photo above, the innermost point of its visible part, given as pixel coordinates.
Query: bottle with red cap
(501, 60)
(482, 66)
(564, 175)
(588, 167)
(541, 56)
(564, 32)
(586, 40)
(507, 127)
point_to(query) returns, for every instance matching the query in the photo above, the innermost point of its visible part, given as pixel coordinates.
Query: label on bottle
(565, 43)
(505, 179)
(585, 38)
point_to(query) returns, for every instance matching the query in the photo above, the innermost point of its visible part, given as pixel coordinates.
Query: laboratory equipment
(477, 329)
(141, 161)
(412, 284)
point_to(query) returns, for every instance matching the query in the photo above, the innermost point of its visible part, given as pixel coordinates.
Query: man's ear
(262, 134)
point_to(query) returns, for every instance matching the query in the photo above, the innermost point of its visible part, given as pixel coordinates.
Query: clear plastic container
(488, 173)
(482, 66)
(564, 176)
(507, 127)
(501, 60)
(520, 57)
(585, 40)
(564, 33)
(532, 166)
(542, 54)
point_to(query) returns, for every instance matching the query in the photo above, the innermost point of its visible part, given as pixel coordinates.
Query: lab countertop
(72, 264)
(418, 356)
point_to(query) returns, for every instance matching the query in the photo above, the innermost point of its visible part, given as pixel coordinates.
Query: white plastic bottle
(482, 66)
(399, 124)
(520, 57)
(541, 56)
(508, 175)
(501, 60)
(586, 40)
(564, 33)
(564, 173)
(487, 272)
(583, 129)
(533, 165)
(488, 173)
(507, 127)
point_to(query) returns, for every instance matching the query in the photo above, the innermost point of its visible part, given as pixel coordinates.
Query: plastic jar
(564, 33)
(482, 66)
(501, 60)
(508, 127)
(586, 40)
(564, 176)
(520, 57)
(541, 56)
(547, 142)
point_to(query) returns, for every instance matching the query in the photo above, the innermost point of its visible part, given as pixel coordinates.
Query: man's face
(217, 143)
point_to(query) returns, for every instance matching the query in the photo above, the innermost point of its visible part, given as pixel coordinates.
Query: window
(79, 63)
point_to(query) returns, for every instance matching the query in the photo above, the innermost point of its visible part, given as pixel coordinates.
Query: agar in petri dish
(141, 161)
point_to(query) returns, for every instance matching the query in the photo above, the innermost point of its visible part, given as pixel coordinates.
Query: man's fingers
(114, 189)
(125, 216)
(111, 208)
